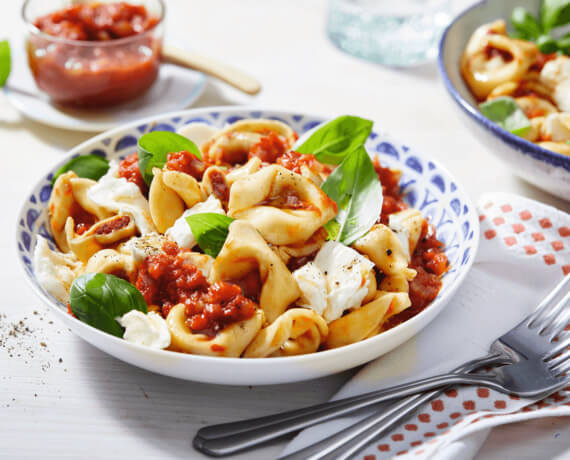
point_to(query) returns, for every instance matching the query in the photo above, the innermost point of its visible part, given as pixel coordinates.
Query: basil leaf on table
(154, 147)
(88, 166)
(331, 142)
(355, 188)
(97, 299)
(555, 13)
(506, 113)
(5, 62)
(210, 231)
(525, 24)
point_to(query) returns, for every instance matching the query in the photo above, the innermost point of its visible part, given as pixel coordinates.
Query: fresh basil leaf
(210, 231)
(88, 166)
(555, 13)
(525, 24)
(5, 62)
(355, 188)
(97, 299)
(563, 44)
(154, 147)
(506, 113)
(331, 142)
(333, 228)
(546, 44)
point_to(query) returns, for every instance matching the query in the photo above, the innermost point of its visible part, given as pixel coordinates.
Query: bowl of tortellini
(507, 66)
(246, 246)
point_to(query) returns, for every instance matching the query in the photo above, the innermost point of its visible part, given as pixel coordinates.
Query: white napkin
(524, 251)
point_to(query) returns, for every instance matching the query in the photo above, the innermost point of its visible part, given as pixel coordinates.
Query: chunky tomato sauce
(167, 279)
(96, 71)
(268, 148)
(294, 161)
(187, 163)
(430, 263)
(129, 169)
(491, 52)
(390, 181)
(97, 21)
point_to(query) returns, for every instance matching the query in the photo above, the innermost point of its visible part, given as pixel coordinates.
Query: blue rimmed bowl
(427, 186)
(546, 169)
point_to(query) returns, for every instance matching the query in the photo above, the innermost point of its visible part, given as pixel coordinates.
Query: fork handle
(348, 442)
(229, 438)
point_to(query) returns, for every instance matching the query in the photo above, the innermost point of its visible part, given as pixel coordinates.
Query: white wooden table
(61, 398)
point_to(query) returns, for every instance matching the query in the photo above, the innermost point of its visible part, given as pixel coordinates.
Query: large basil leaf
(5, 62)
(97, 299)
(506, 113)
(210, 231)
(555, 13)
(525, 24)
(331, 142)
(89, 166)
(154, 147)
(355, 188)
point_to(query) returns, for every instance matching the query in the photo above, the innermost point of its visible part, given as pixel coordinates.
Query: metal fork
(528, 345)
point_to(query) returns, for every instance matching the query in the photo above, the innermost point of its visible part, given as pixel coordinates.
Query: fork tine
(562, 368)
(558, 360)
(548, 320)
(559, 346)
(544, 307)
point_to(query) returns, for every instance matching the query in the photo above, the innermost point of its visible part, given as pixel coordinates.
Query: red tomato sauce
(82, 219)
(130, 170)
(219, 185)
(187, 163)
(113, 225)
(167, 279)
(430, 262)
(97, 21)
(268, 148)
(294, 161)
(390, 181)
(95, 73)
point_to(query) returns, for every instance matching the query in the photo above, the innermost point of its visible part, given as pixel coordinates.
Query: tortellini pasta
(285, 207)
(265, 281)
(494, 65)
(297, 331)
(231, 341)
(483, 70)
(245, 251)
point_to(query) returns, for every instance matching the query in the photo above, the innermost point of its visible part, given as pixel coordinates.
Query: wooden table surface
(61, 398)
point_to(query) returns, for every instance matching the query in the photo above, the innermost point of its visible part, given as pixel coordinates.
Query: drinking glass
(390, 32)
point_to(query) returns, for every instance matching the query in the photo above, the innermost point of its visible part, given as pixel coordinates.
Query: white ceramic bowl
(543, 168)
(427, 186)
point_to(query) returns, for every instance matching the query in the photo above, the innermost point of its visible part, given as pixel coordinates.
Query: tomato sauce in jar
(98, 54)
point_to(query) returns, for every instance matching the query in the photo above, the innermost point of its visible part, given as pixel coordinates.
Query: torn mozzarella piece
(396, 224)
(313, 286)
(556, 127)
(198, 132)
(346, 276)
(117, 194)
(143, 246)
(55, 271)
(180, 232)
(556, 75)
(148, 329)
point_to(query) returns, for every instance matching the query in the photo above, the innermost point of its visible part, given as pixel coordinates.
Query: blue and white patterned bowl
(543, 168)
(426, 184)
